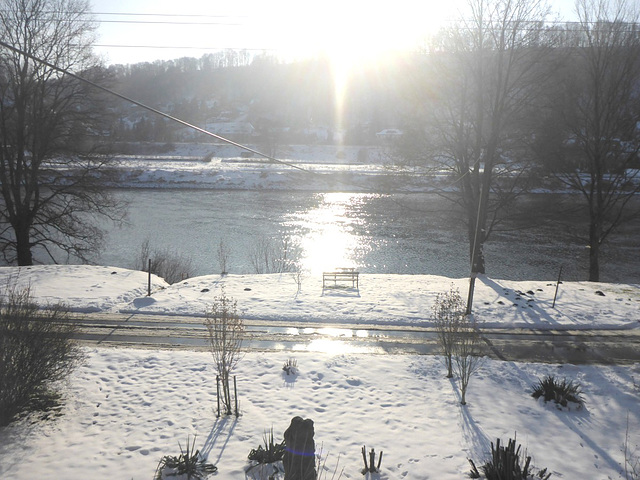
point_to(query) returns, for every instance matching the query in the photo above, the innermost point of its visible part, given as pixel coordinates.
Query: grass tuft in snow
(505, 464)
(272, 452)
(290, 367)
(562, 392)
(190, 463)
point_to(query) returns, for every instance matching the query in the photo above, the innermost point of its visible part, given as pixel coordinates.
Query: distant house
(236, 131)
(389, 135)
(319, 134)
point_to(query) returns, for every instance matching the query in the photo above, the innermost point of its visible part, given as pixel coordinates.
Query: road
(172, 332)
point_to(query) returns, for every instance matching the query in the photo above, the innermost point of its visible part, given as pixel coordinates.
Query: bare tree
(223, 253)
(298, 276)
(466, 354)
(598, 151)
(448, 312)
(50, 182)
(168, 264)
(484, 77)
(270, 257)
(226, 333)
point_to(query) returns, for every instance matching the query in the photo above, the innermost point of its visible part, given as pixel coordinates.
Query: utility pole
(474, 252)
(472, 286)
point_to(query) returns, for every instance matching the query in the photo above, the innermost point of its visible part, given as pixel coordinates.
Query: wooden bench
(340, 275)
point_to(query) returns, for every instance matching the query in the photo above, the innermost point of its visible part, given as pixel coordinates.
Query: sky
(345, 30)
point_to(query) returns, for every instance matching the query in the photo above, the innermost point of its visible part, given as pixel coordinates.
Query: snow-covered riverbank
(124, 408)
(315, 168)
(380, 299)
(318, 168)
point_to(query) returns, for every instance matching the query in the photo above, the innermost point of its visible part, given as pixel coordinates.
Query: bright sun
(355, 33)
(349, 32)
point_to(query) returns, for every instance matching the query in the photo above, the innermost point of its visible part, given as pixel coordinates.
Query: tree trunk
(476, 239)
(23, 245)
(226, 394)
(594, 252)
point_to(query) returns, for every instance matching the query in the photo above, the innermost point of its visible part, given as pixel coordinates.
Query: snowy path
(599, 346)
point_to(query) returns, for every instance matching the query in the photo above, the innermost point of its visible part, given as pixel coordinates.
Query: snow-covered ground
(127, 408)
(381, 299)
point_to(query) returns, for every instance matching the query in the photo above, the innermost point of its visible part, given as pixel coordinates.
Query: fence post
(557, 284)
(149, 281)
(218, 393)
(235, 395)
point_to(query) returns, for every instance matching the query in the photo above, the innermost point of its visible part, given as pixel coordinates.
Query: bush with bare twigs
(466, 354)
(36, 350)
(448, 311)
(226, 332)
(165, 263)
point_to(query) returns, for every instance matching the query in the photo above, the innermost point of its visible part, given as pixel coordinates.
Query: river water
(399, 234)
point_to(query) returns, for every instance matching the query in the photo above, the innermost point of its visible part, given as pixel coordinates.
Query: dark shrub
(165, 263)
(190, 463)
(271, 452)
(290, 367)
(505, 464)
(36, 349)
(560, 392)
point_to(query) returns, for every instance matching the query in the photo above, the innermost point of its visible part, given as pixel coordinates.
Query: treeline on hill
(292, 99)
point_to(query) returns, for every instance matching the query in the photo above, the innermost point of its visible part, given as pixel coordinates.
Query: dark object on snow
(300, 453)
(559, 391)
(204, 290)
(371, 467)
(247, 289)
(272, 452)
(505, 464)
(290, 366)
(599, 292)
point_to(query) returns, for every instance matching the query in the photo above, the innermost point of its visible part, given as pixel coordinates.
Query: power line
(184, 47)
(165, 22)
(178, 15)
(136, 14)
(194, 127)
(153, 110)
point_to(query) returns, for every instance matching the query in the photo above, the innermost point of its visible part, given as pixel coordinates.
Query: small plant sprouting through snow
(505, 463)
(561, 392)
(271, 452)
(189, 463)
(290, 366)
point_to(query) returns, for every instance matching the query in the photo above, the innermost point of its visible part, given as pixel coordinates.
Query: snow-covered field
(127, 408)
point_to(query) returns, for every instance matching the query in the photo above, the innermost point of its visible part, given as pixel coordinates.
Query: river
(391, 234)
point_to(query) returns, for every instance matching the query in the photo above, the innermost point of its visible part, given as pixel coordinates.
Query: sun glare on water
(328, 240)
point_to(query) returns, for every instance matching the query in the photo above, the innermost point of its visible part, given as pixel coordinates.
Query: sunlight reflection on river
(325, 233)
(377, 234)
